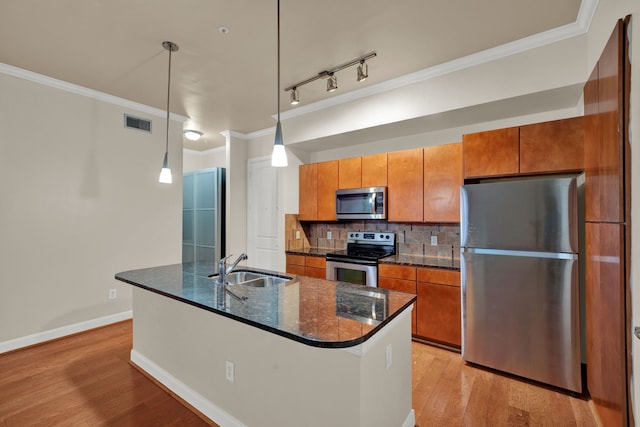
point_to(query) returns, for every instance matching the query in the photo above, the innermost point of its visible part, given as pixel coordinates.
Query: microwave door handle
(374, 197)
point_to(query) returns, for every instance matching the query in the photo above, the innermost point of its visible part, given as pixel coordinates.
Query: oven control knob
(387, 236)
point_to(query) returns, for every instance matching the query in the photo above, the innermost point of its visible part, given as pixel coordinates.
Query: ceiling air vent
(133, 122)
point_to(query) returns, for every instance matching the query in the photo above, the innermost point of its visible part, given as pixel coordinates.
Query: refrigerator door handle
(532, 254)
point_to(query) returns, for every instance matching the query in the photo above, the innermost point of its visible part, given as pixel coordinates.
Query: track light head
(295, 98)
(332, 83)
(363, 71)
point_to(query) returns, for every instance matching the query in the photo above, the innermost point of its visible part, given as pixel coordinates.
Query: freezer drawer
(521, 315)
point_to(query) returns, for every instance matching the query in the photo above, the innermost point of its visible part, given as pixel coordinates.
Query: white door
(262, 214)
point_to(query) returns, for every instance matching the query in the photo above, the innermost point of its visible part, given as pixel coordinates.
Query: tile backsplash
(411, 238)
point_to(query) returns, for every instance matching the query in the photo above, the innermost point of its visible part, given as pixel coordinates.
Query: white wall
(80, 202)
(194, 160)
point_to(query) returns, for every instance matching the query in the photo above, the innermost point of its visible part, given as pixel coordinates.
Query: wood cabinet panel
(439, 313)
(397, 284)
(440, 276)
(315, 261)
(327, 186)
(308, 192)
(604, 190)
(405, 182)
(605, 319)
(350, 172)
(319, 273)
(442, 181)
(491, 153)
(397, 271)
(295, 259)
(374, 170)
(552, 146)
(295, 269)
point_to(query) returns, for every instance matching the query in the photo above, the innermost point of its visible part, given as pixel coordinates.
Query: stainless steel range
(359, 262)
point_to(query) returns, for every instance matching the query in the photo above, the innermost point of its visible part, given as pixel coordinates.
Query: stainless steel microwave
(361, 203)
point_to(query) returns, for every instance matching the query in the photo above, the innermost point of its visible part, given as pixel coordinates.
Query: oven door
(353, 272)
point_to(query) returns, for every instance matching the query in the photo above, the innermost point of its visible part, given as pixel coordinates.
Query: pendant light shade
(165, 173)
(279, 155)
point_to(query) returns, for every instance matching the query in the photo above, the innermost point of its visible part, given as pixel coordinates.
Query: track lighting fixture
(332, 80)
(165, 173)
(363, 71)
(295, 99)
(192, 135)
(332, 83)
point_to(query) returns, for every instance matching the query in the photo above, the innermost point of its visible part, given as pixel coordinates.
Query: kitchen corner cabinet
(350, 173)
(438, 306)
(405, 177)
(374, 170)
(442, 181)
(399, 278)
(303, 265)
(308, 192)
(491, 153)
(317, 187)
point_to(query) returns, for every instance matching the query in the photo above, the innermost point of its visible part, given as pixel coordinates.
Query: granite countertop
(316, 312)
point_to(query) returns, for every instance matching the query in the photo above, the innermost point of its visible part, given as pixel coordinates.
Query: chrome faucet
(223, 270)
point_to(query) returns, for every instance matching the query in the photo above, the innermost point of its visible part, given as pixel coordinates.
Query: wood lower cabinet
(405, 185)
(491, 153)
(307, 265)
(308, 192)
(442, 181)
(399, 278)
(350, 172)
(439, 306)
(552, 146)
(374, 170)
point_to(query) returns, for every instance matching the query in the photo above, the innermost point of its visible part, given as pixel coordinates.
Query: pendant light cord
(168, 93)
(278, 60)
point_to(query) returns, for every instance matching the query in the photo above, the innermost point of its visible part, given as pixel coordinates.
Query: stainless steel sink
(253, 278)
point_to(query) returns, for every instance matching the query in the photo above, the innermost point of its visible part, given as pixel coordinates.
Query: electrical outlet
(328, 235)
(230, 371)
(113, 294)
(389, 358)
(298, 234)
(434, 240)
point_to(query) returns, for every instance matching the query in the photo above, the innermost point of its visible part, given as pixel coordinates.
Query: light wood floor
(86, 380)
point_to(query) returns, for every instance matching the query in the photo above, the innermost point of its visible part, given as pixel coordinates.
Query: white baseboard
(193, 398)
(52, 334)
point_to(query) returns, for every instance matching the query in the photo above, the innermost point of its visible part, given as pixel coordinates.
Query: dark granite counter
(319, 252)
(316, 312)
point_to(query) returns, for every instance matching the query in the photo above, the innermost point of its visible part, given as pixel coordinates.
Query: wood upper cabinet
(491, 153)
(439, 306)
(405, 184)
(327, 186)
(350, 172)
(552, 146)
(374, 170)
(442, 181)
(605, 137)
(308, 192)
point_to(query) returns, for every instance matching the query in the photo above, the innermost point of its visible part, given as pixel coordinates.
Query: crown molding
(577, 28)
(232, 134)
(86, 92)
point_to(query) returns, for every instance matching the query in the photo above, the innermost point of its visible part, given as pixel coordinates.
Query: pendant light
(279, 155)
(165, 173)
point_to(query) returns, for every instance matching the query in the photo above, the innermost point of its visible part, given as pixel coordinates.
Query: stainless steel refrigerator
(521, 276)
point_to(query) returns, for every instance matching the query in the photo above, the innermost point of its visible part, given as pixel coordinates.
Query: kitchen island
(302, 352)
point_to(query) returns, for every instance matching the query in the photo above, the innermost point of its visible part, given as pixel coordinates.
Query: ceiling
(228, 81)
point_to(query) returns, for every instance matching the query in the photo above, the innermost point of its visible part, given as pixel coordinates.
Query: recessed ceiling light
(223, 30)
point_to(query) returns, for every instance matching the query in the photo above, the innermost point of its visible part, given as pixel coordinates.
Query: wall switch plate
(389, 357)
(434, 240)
(113, 294)
(329, 235)
(230, 371)
(298, 234)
